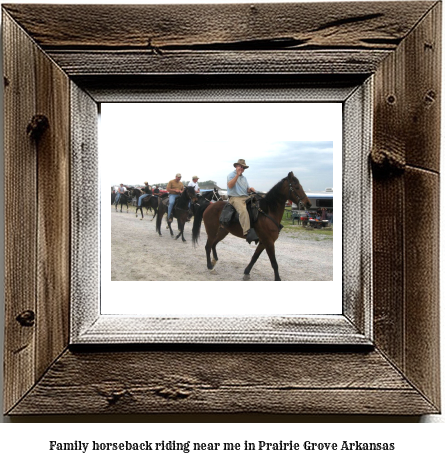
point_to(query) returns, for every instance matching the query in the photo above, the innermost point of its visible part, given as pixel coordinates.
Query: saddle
(230, 215)
(166, 202)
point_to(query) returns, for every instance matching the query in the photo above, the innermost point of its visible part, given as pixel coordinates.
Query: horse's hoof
(212, 270)
(246, 277)
(142, 219)
(214, 262)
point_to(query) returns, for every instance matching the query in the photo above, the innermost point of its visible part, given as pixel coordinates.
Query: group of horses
(267, 226)
(187, 203)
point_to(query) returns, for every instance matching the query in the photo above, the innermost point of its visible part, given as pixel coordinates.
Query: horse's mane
(184, 199)
(273, 197)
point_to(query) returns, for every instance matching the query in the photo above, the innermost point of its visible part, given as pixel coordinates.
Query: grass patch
(306, 233)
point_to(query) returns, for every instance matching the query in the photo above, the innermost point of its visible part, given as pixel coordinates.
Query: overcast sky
(153, 141)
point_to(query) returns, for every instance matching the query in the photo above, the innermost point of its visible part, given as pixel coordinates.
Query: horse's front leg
(169, 226)
(181, 230)
(270, 249)
(257, 253)
(208, 248)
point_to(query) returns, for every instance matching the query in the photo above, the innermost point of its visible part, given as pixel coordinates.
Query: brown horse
(267, 226)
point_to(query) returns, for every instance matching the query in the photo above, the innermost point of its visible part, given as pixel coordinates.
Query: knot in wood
(26, 318)
(386, 162)
(114, 397)
(430, 97)
(37, 126)
(172, 393)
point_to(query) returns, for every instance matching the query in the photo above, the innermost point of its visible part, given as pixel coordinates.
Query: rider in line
(193, 183)
(175, 188)
(238, 192)
(147, 191)
(120, 190)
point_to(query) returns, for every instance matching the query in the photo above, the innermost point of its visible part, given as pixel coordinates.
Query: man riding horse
(238, 192)
(146, 192)
(120, 190)
(175, 188)
(193, 183)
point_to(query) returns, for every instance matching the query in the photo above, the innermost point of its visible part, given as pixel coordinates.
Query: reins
(279, 226)
(183, 209)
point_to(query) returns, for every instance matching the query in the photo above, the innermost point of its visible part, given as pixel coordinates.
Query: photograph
(287, 231)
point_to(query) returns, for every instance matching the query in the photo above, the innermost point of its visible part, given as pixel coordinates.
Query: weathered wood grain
(53, 200)
(20, 213)
(422, 322)
(341, 25)
(423, 92)
(406, 132)
(218, 382)
(78, 62)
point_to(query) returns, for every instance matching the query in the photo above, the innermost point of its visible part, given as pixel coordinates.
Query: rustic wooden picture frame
(91, 53)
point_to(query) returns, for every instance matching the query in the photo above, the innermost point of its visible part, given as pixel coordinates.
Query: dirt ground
(145, 256)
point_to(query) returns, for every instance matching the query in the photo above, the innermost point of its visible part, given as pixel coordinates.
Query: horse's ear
(290, 175)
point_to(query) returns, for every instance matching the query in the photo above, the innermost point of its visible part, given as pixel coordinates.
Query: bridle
(215, 196)
(291, 189)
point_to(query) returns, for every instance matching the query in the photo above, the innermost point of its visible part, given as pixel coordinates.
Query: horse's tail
(196, 230)
(158, 223)
(161, 212)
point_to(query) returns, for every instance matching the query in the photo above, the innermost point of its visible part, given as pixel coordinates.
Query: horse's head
(190, 192)
(296, 192)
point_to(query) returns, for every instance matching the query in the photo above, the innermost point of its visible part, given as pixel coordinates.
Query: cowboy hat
(242, 163)
(195, 177)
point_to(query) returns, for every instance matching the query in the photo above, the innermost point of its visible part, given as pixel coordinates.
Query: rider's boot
(251, 236)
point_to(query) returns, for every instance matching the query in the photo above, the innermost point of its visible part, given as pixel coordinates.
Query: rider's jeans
(171, 202)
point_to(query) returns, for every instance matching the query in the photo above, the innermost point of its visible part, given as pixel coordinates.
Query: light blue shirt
(240, 187)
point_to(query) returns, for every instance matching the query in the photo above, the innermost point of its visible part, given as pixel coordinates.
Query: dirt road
(138, 253)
